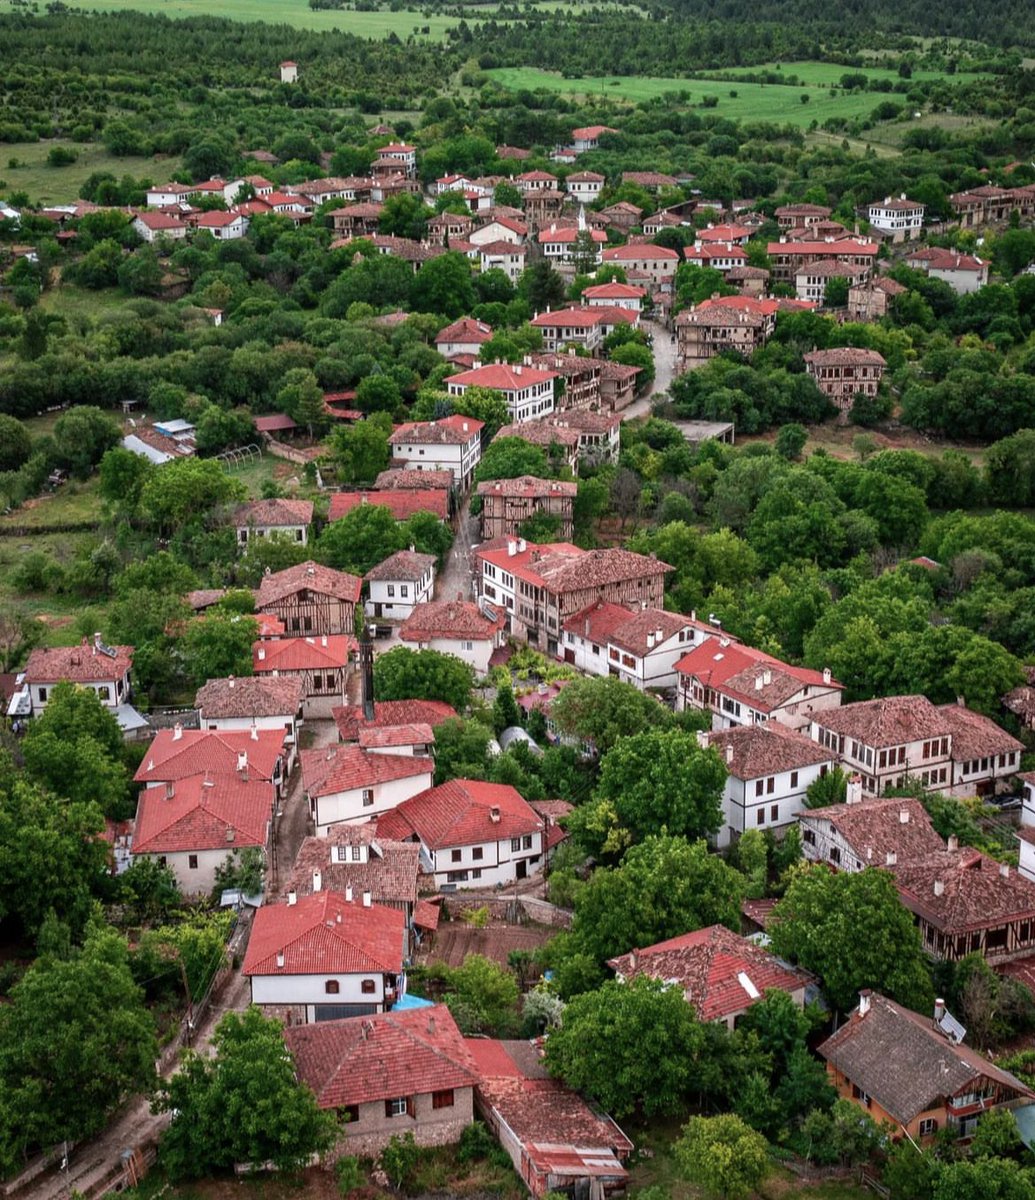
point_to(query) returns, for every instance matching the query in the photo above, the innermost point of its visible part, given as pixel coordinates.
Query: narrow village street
(664, 350)
(457, 576)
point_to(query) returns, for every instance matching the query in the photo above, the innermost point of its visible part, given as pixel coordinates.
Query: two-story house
(561, 243)
(397, 156)
(466, 336)
(102, 669)
(471, 833)
(587, 137)
(844, 373)
(615, 295)
(868, 833)
(180, 753)
(256, 701)
(352, 720)
(638, 645)
(353, 783)
(657, 262)
(584, 186)
(321, 957)
(310, 598)
(794, 216)
(786, 255)
(539, 587)
(321, 663)
(454, 627)
(507, 503)
(194, 824)
(769, 768)
(528, 391)
(811, 279)
(744, 686)
(288, 519)
(400, 582)
(914, 1072)
(964, 273)
(502, 255)
(900, 219)
(450, 444)
(391, 1074)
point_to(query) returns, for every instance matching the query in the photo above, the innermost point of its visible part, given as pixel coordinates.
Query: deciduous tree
(404, 674)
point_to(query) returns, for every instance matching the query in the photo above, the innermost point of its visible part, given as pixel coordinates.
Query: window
(759, 786)
(104, 692)
(515, 843)
(391, 589)
(456, 877)
(774, 812)
(835, 854)
(860, 1095)
(794, 779)
(456, 855)
(443, 1099)
(526, 842)
(760, 815)
(192, 861)
(476, 873)
(397, 1107)
(43, 695)
(770, 785)
(404, 590)
(357, 853)
(808, 837)
(368, 797)
(368, 987)
(478, 853)
(332, 987)
(928, 1126)
(348, 1114)
(467, 645)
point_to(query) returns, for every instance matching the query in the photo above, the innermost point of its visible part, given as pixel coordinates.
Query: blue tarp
(408, 1002)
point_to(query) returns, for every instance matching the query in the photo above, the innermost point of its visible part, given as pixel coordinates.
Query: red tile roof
(218, 812)
(378, 737)
(588, 132)
(328, 770)
(561, 567)
(631, 253)
(179, 754)
(503, 377)
(887, 720)
(459, 813)
(398, 478)
(350, 720)
(308, 576)
(975, 736)
(766, 749)
(274, 423)
(402, 565)
(467, 329)
(263, 513)
(329, 652)
(84, 663)
(962, 890)
(426, 914)
(873, 829)
(389, 874)
(447, 431)
(402, 503)
(751, 675)
(845, 356)
(852, 246)
(381, 1057)
(325, 934)
(455, 619)
(527, 486)
(714, 968)
(614, 291)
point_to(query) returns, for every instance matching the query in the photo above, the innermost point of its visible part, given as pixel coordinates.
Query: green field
(298, 13)
(752, 102)
(825, 74)
(57, 185)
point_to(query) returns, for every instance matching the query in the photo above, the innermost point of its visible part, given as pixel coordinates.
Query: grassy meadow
(58, 185)
(813, 99)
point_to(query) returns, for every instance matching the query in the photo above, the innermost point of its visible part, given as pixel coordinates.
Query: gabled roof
(381, 737)
(561, 567)
(271, 513)
(325, 934)
(460, 813)
(766, 749)
(157, 221)
(639, 250)
(756, 678)
(406, 565)
(389, 874)
(179, 753)
(455, 619)
(85, 663)
(572, 318)
(599, 622)
(311, 577)
(975, 736)
(329, 652)
(350, 719)
(905, 1062)
(329, 770)
(842, 246)
(218, 812)
(250, 696)
(400, 478)
(467, 329)
(614, 291)
(527, 486)
(381, 1056)
(845, 356)
(588, 132)
(720, 972)
(875, 829)
(962, 890)
(402, 503)
(503, 377)
(447, 431)
(887, 721)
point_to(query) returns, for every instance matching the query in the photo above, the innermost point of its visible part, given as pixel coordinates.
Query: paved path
(294, 824)
(458, 573)
(664, 350)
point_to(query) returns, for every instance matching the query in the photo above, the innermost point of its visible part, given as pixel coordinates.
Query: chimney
(280, 958)
(864, 1001)
(494, 814)
(96, 642)
(292, 898)
(367, 899)
(724, 641)
(890, 859)
(231, 682)
(939, 887)
(634, 959)
(177, 731)
(323, 640)
(854, 790)
(242, 760)
(348, 893)
(953, 843)
(767, 677)
(522, 545)
(650, 641)
(702, 739)
(758, 682)
(317, 882)
(337, 916)
(170, 789)
(511, 547)
(659, 636)
(939, 1009)
(903, 816)
(261, 655)
(255, 733)
(1004, 870)
(961, 702)
(729, 753)
(826, 675)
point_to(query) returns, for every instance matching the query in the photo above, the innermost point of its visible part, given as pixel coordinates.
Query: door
(569, 656)
(522, 869)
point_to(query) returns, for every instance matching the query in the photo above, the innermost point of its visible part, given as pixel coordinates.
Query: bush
(348, 1174)
(61, 156)
(400, 1160)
